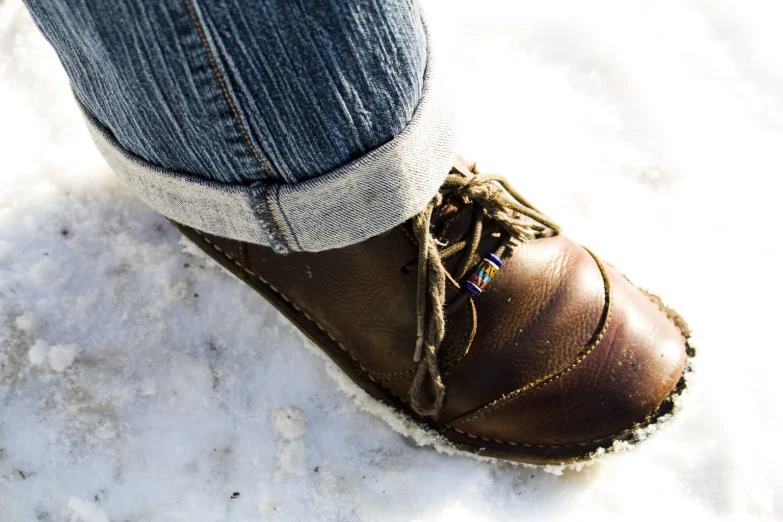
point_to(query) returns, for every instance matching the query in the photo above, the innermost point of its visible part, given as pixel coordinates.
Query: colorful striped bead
(483, 274)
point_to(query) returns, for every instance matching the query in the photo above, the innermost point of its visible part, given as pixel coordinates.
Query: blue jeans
(298, 125)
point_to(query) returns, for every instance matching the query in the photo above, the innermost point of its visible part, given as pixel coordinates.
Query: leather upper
(559, 350)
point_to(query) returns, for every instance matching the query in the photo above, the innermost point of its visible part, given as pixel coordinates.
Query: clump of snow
(25, 321)
(38, 352)
(45, 271)
(267, 506)
(633, 142)
(290, 455)
(82, 511)
(290, 422)
(59, 357)
(148, 388)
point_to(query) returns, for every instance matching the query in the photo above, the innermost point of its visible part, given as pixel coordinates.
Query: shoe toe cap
(619, 385)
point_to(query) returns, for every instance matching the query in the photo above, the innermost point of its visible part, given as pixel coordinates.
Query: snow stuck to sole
(424, 436)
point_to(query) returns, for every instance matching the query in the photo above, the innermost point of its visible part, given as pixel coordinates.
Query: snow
(44, 272)
(82, 511)
(61, 357)
(139, 382)
(38, 352)
(58, 357)
(290, 422)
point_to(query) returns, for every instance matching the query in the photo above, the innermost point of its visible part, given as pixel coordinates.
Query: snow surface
(139, 382)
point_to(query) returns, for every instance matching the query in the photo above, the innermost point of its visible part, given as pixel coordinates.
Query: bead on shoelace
(483, 274)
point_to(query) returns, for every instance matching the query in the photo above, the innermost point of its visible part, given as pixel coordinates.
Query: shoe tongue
(453, 219)
(463, 166)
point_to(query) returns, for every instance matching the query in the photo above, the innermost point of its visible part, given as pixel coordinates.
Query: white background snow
(141, 383)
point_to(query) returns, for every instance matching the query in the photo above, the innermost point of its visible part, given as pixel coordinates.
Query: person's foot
(479, 319)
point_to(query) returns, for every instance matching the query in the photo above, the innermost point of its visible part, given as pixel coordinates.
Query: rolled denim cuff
(350, 204)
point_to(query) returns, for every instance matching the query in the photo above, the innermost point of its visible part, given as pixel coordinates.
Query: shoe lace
(490, 196)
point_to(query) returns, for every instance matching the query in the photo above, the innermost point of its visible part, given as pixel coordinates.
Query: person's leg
(275, 92)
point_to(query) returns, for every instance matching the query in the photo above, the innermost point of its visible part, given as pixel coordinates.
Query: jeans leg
(238, 91)
(301, 125)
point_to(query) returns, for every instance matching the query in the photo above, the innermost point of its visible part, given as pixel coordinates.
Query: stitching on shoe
(606, 318)
(613, 436)
(410, 236)
(392, 376)
(672, 316)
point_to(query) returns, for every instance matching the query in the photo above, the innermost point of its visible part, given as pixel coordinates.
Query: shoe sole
(537, 454)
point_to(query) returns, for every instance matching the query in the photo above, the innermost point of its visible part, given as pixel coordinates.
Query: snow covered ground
(140, 383)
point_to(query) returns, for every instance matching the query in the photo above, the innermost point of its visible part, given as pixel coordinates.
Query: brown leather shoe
(554, 357)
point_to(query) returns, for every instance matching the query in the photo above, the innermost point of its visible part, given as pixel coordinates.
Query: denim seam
(273, 205)
(262, 202)
(221, 81)
(278, 213)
